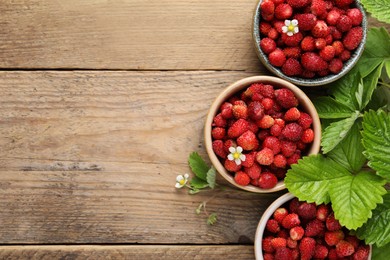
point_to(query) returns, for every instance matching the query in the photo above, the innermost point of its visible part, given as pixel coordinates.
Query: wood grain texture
(126, 252)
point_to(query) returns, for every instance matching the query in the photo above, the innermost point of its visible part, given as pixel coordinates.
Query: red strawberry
(301, 146)
(267, 45)
(344, 23)
(332, 224)
(280, 214)
(267, 180)
(277, 2)
(218, 148)
(292, 243)
(286, 98)
(296, 233)
(322, 212)
(318, 7)
(345, 55)
(240, 111)
(283, 11)
(263, 134)
(314, 228)
(333, 16)
(218, 133)
(267, 8)
(278, 25)
(293, 40)
(327, 53)
(282, 233)
(219, 121)
(238, 128)
(332, 238)
(320, 29)
(252, 89)
(288, 148)
(292, 52)
(278, 242)
(343, 3)
(292, 132)
(277, 58)
(329, 39)
(273, 34)
(355, 15)
(353, 240)
(280, 161)
(231, 166)
(336, 34)
(332, 254)
(283, 253)
(320, 252)
(267, 90)
(264, 28)
(307, 44)
(306, 22)
(255, 110)
(307, 210)
(297, 4)
(291, 220)
(227, 110)
(305, 120)
(248, 141)
(272, 143)
(241, 178)
(229, 143)
(272, 226)
(265, 156)
(292, 67)
(292, 114)
(276, 130)
(294, 158)
(338, 47)
(361, 253)
(249, 160)
(336, 65)
(267, 103)
(353, 38)
(294, 205)
(307, 136)
(320, 43)
(313, 62)
(253, 127)
(266, 122)
(268, 256)
(344, 248)
(266, 245)
(323, 73)
(254, 171)
(306, 247)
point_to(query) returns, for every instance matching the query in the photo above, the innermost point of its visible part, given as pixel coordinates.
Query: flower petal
(290, 33)
(239, 149)
(296, 30)
(242, 157)
(294, 22)
(179, 178)
(230, 157)
(178, 186)
(284, 29)
(287, 22)
(232, 149)
(237, 161)
(186, 176)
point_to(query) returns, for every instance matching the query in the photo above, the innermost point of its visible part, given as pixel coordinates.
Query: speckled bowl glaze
(263, 221)
(237, 86)
(348, 65)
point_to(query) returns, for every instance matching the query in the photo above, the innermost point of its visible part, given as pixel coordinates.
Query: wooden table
(101, 104)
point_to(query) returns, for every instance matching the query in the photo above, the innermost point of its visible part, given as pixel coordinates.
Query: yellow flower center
(182, 182)
(290, 28)
(236, 155)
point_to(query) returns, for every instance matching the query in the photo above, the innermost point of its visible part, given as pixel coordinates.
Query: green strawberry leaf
(377, 228)
(380, 253)
(376, 140)
(310, 177)
(380, 99)
(212, 219)
(387, 67)
(328, 107)
(380, 9)
(341, 89)
(198, 166)
(198, 183)
(336, 132)
(211, 175)
(354, 196)
(349, 152)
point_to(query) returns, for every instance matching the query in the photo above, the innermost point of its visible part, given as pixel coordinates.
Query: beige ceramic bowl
(304, 102)
(263, 221)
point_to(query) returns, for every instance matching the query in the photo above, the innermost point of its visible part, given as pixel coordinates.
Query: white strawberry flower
(236, 155)
(290, 27)
(181, 180)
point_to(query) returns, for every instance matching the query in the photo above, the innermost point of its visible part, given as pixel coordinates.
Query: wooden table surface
(101, 103)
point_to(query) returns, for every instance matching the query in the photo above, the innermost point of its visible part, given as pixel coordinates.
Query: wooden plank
(126, 252)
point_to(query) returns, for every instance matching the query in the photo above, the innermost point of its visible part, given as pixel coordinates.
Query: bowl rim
(303, 81)
(239, 85)
(263, 221)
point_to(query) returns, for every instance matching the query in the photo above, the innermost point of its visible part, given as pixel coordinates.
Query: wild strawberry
(266, 244)
(282, 233)
(219, 121)
(297, 4)
(320, 252)
(306, 247)
(344, 23)
(336, 65)
(318, 7)
(353, 38)
(218, 133)
(338, 47)
(248, 141)
(292, 114)
(254, 171)
(288, 148)
(241, 178)
(229, 143)
(252, 126)
(278, 242)
(266, 122)
(273, 34)
(277, 58)
(255, 110)
(280, 214)
(268, 256)
(361, 253)
(231, 166)
(345, 55)
(333, 16)
(320, 43)
(306, 22)
(323, 73)
(355, 15)
(240, 111)
(286, 98)
(308, 44)
(294, 158)
(238, 102)
(305, 120)
(267, 103)
(293, 40)
(292, 132)
(291, 220)
(266, 90)
(294, 205)
(332, 238)
(278, 24)
(283, 253)
(252, 89)
(219, 149)
(332, 224)
(320, 29)
(327, 53)
(283, 11)
(291, 243)
(265, 156)
(307, 136)
(272, 143)
(272, 226)
(292, 67)
(353, 240)
(292, 52)
(301, 146)
(314, 228)
(276, 130)
(267, 8)
(267, 45)
(313, 62)
(262, 134)
(332, 254)
(336, 34)
(277, 2)
(280, 122)
(343, 3)
(344, 248)
(329, 39)
(238, 128)
(322, 212)
(249, 160)
(296, 233)
(267, 180)
(264, 28)
(280, 161)
(307, 210)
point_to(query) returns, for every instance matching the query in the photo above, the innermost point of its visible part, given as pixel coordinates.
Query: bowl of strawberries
(256, 128)
(309, 42)
(293, 229)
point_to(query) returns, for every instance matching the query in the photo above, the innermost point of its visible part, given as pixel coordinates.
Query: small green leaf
(198, 183)
(198, 166)
(341, 89)
(193, 191)
(377, 228)
(380, 99)
(212, 219)
(336, 132)
(380, 253)
(387, 66)
(354, 196)
(211, 175)
(328, 107)
(380, 9)
(376, 140)
(349, 152)
(310, 177)
(359, 94)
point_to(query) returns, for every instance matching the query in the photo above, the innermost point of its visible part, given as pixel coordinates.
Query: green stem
(384, 84)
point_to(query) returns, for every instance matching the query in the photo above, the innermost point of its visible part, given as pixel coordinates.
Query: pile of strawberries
(301, 230)
(329, 32)
(269, 126)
